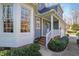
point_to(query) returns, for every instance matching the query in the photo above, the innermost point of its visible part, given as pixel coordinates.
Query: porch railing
(56, 32)
(51, 34)
(48, 37)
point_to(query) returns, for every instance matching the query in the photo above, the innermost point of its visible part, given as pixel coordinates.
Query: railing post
(46, 41)
(52, 22)
(48, 37)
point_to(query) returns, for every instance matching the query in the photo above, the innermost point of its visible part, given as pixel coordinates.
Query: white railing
(51, 34)
(56, 32)
(48, 37)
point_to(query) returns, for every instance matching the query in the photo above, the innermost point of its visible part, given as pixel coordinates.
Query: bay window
(25, 20)
(7, 18)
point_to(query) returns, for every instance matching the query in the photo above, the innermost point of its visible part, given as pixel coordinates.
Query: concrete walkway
(71, 50)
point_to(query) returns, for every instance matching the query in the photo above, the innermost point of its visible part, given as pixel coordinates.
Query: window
(55, 23)
(38, 23)
(7, 18)
(25, 20)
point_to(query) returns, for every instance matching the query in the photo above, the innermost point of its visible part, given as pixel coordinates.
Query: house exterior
(21, 23)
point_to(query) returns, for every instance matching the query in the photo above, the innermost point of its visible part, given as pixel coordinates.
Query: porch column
(42, 26)
(60, 28)
(52, 23)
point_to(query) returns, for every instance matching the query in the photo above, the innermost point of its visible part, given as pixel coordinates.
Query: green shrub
(32, 50)
(3, 53)
(35, 46)
(65, 39)
(57, 44)
(77, 33)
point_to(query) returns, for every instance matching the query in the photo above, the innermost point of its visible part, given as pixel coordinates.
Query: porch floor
(71, 50)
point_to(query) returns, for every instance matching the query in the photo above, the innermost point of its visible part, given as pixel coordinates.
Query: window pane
(7, 18)
(25, 20)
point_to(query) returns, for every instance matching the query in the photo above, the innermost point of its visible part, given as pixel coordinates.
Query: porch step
(42, 40)
(42, 43)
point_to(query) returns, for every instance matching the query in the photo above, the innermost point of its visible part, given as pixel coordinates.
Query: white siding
(27, 37)
(16, 38)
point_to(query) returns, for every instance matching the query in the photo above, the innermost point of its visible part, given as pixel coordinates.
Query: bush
(32, 50)
(4, 53)
(66, 39)
(57, 44)
(35, 46)
(77, 33)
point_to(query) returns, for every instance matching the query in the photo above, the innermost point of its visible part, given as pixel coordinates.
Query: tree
(75, 16)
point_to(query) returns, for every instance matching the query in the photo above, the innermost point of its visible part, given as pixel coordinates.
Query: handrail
(50, 35)
(48, 38)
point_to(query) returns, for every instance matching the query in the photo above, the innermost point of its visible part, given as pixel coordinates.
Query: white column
(42, 26)
(60, 28)
(1, 20)
(52, 23)
(17, 17)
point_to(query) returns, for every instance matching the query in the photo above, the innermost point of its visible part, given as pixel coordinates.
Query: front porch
(48, 27)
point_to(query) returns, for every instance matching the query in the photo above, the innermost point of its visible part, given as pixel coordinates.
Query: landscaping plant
(77, 34)
(32, 50)
(58, 44)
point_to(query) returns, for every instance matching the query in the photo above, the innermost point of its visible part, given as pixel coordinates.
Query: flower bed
(32, 50)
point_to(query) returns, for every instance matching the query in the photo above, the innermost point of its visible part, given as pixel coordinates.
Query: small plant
(77, 33)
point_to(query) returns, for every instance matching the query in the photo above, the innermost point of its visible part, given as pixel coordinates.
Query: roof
(45, 9)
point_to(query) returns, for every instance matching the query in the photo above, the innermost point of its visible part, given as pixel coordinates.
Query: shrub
(66, 39)
(57, 44)
(32, 50)
(35, 46)
(3, 53)
(77, 33)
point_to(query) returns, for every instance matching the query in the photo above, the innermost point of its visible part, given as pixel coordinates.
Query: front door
(38, 27)
(46, 27)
